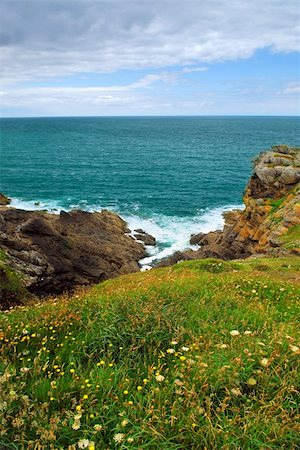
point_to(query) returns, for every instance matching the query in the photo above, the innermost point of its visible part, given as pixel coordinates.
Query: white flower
(159, 378)
(83, 443)
(119, 437)
(170, 350)
(234, 333)
(264, 362)
(185, 349)
(174, 343)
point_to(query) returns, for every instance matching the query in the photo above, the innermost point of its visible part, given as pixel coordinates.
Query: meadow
(201, 355)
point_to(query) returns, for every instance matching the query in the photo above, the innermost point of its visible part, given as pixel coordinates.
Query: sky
(148, 57)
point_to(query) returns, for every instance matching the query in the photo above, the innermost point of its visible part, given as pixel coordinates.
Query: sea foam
(172, 233)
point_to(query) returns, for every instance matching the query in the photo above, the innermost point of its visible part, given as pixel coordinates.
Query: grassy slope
(100, 366)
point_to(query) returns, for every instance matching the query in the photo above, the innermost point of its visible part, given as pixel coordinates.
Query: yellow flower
(76, 425)
(124, 423)
(139, 388)
(85, 397)
(72, 370)
(182, 358)
(125, 392)
(130, 403)
(78, 408)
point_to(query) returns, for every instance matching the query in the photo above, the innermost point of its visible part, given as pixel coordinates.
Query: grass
(10, 282)
(291, 239)
(201, 355)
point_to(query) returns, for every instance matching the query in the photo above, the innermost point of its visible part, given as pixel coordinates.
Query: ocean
(171, 176)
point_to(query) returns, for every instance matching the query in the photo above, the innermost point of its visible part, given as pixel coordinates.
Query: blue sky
(139, 58)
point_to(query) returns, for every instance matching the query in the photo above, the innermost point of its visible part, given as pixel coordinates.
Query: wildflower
(125, 392)
(247, 332)
(236, 391)
(78, 408)
(251, 382)
(124, 423)
(264, 362)
(182, 358)
(139, 388)
(174, 343)
(130, 403)
(185, 349)
(85, 397)
(98, 427)
(72, 370)
(159, 378)
(294, 348)
(234, 333)
(118, 438)
(24, 369)
(76, 425)
(130, 440)
(145, 381)
(170, 350)
(83, 443)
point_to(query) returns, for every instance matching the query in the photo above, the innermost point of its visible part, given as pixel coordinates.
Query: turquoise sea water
(171, 175)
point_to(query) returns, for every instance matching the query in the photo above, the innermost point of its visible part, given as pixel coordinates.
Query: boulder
(196, 238)
(56, 253)
(4, 200)
(146, 238)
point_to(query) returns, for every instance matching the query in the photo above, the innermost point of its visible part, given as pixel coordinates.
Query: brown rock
(4, 200)
(56, 253)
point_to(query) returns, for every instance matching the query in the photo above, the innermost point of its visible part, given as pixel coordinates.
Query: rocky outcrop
(270, 222)
(144, 237)
(55, 253)
(4, 200)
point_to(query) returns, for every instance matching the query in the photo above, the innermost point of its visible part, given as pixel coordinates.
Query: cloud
(291, 89)
(43, 39)
(194, 69)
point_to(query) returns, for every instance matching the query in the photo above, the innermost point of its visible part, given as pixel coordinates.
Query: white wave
(172, 233)
(28, 205)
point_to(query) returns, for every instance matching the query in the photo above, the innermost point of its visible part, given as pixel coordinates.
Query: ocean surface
(171, 176)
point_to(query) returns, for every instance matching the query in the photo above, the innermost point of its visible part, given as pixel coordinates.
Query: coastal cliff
(270, 222)
(48, 254)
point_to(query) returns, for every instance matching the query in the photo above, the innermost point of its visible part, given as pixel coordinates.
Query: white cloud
(44, 39)
(291, 89)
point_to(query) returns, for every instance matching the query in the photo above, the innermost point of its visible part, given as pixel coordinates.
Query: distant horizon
(151, 116)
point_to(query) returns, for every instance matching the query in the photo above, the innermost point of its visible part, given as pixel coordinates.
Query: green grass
(10, 282)
(292, 238)
(150, 359)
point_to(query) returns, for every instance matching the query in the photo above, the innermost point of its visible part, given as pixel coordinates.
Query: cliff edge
(270, 222)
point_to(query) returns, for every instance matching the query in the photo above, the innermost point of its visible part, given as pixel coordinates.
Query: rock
(146, 238)
(55, 253)
(173, 259)
(4, 200)
(196, 238)
(289, 175)
(272, 207)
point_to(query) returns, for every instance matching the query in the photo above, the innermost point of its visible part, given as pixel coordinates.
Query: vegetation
(201, 355)
(291, 239)
(10, 281)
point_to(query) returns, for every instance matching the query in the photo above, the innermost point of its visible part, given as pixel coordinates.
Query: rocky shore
(43, 253)
(50, 254)
(270, 222)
